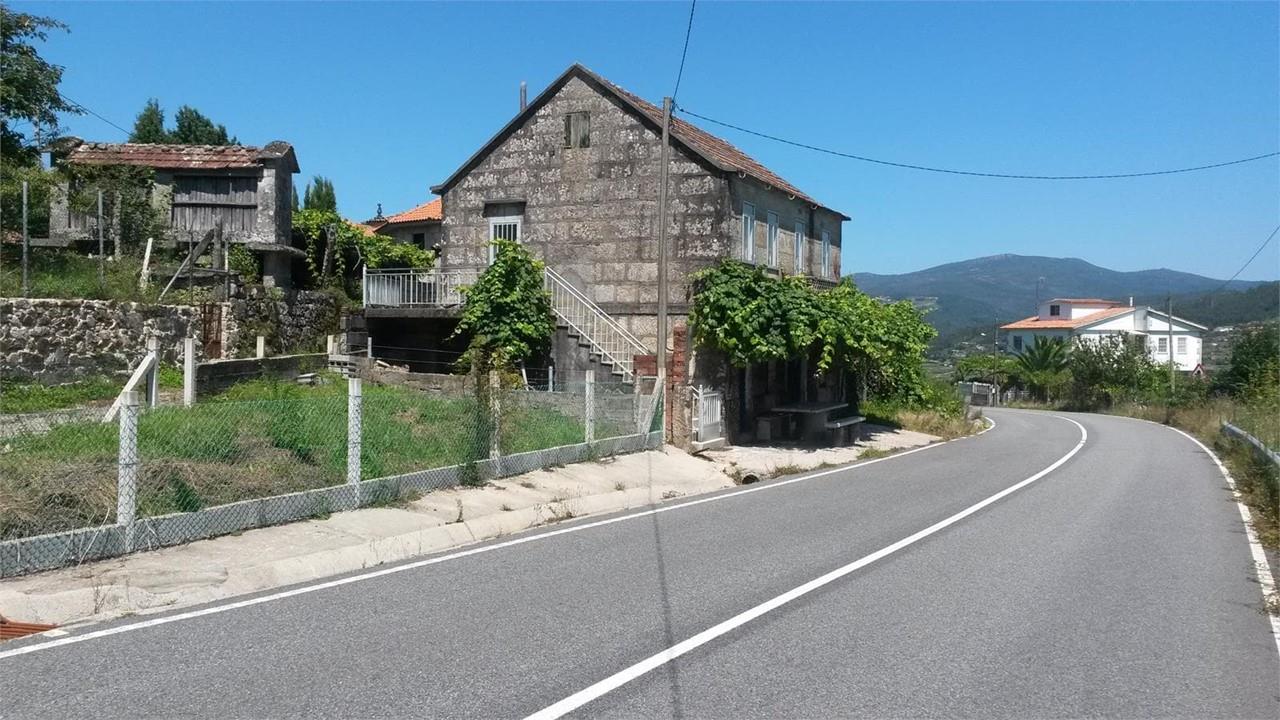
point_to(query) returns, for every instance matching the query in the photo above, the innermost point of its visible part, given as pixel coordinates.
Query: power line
(91, 112)
(909, 166)
(1252, 257)
(687, 32)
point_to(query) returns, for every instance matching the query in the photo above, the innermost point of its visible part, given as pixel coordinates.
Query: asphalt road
(1118, 584)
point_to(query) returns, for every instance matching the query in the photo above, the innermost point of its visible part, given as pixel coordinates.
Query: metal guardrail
(1260, 447)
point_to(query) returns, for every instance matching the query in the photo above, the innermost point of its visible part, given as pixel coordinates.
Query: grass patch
(35, 397)
(258, 439)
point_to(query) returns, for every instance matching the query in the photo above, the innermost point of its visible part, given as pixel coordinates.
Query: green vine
(752, 318)
(351, 244)
(507, 312)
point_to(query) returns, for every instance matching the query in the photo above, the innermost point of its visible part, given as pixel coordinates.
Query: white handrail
(605, 336)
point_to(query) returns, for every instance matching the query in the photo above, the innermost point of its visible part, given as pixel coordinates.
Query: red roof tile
(1087, 301)
(177, 157)
(1035, 323)
(431, 210)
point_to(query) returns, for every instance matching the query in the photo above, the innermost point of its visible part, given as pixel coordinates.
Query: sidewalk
(272, 557)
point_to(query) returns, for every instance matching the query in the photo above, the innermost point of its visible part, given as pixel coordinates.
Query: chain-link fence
(267, 452)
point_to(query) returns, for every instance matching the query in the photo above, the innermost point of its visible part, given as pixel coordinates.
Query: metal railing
(708, 411)
(399, 287)
(606, 337)
(443, 288)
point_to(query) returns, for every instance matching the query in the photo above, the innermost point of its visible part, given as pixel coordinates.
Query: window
(826, 254)
(503, 228)
(800, 242)
(1182, 346)
(1162, 345)
(772, 242)
(748, 232)
(1017, 342)
(577, 130)
(1055, 310)
(420, 239)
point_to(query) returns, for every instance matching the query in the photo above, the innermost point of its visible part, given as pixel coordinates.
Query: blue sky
(389, 98)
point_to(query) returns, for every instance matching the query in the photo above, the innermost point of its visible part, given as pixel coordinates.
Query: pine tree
(148, 127)
(296, 205)
(320, 195)
(193, 128)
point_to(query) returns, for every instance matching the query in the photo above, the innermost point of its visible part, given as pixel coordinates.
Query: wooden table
(814, 414)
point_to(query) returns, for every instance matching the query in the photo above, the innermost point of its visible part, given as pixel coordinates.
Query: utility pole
(26, 246)
(662, 237)
(1169, 327)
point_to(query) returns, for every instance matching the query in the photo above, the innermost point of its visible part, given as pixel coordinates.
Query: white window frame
(1017, 343)
(1180, 345)
(802, 229)
(1162, 345)
(826, 254)
(771, 238)
(748, 232)
(1055, 311)
(517, 220)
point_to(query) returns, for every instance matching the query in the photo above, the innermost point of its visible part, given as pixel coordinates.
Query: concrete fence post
(551, 378)
(127, 466)
(189, 372)
(589, 416)
(262, 346)
(368, 342)
(330, 342)
(354, 410)
(495, 415)
(153, 376)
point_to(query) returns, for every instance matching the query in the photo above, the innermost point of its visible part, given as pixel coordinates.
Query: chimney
(524, 95)
(1130, 301)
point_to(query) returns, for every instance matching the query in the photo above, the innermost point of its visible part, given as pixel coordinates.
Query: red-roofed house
(419, 225)
(1088, 319)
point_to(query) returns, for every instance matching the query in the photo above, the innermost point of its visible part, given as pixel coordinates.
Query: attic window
(577, 130)
(1055, 310)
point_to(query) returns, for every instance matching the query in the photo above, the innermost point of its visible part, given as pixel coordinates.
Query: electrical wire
(91, 112)
(687, 32)
(972, 173)
(1252, 257)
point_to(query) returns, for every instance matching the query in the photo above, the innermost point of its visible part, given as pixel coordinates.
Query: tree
(29, 107)
(987, 367)
(1109, 370)
(295, 204)
(148, 127)
(193, 128)
(1254, 370)
(317, 230)
(1044, 366)
(507, 312)
(320, 195)
(30, 89)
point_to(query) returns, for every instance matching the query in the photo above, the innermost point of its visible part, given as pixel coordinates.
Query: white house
(1090, 319)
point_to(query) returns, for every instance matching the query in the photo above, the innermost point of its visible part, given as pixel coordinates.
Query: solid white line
(303, 590)
(1260, 566)
(617, 680)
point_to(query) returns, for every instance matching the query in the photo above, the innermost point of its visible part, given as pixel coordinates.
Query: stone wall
(62, 340)
(292, 322)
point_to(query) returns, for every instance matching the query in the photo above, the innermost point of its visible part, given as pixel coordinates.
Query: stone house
(574, 176)
(248, 189)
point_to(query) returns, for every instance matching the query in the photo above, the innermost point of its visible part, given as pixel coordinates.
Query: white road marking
(1260, 566)
(617, 680)
(305, 589)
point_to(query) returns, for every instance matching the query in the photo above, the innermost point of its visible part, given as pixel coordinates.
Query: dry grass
(943, 425)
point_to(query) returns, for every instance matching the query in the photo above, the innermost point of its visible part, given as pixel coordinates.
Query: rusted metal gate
(211, 330)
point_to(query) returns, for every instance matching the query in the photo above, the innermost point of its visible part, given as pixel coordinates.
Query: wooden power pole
(664, 159)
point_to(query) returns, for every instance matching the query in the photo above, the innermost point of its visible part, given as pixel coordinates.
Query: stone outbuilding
(248, 189)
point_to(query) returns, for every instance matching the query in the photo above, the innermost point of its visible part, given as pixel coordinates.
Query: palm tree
(1044, 365)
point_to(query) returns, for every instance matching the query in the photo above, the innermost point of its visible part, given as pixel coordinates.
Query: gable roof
(430, 210)
(714, 151)
(1087, 301)
(1035, 323)
(181, 157)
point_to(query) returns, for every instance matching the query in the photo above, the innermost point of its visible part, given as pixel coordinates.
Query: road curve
(1118, 584)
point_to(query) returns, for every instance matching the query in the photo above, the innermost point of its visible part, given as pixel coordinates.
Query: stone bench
(841, 431)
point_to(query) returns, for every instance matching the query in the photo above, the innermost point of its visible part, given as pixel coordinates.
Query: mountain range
(962, 296)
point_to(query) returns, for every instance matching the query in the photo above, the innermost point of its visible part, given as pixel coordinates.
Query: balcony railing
(399, 287)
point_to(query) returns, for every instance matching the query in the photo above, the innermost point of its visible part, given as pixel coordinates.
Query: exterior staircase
(604, 339)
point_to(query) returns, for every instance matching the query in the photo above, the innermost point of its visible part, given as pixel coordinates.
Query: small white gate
(708, 412)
